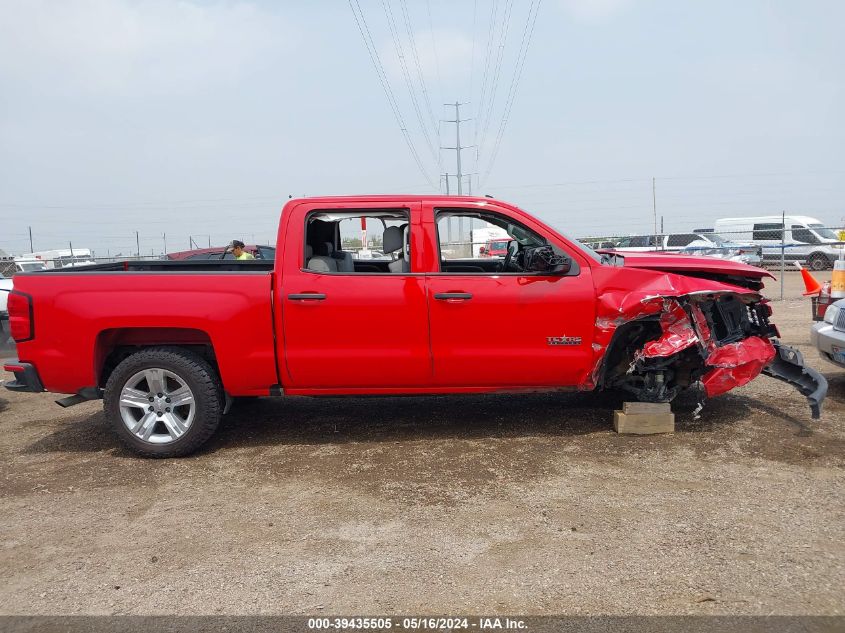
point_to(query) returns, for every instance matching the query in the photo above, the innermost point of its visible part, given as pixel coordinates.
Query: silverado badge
(563, 340)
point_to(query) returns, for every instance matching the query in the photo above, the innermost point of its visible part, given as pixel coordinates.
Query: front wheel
(164, 401)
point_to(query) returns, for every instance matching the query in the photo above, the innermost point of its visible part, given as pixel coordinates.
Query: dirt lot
(510, 504)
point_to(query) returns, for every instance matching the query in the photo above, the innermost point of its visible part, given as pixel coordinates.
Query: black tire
(191, 369)
(818, 261)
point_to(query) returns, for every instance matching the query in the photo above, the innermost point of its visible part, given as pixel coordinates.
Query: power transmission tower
(458, 149)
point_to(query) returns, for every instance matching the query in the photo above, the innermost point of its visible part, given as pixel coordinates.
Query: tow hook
(789, 367)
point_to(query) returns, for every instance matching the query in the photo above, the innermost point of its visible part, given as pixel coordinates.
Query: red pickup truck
(169, 344)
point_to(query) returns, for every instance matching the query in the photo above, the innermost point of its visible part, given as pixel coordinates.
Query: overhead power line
(366, 36)
(491, 29)
(406, 75)
(494, 84)
(420, 75)
(527, 35)
(434, 46)
(472, 55)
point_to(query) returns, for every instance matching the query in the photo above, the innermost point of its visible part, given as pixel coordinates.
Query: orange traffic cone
(813, 287)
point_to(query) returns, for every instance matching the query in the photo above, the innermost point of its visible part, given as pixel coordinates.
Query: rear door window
(642, 241)
(768, 231)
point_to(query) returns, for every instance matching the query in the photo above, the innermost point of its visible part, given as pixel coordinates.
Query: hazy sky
(202, 117)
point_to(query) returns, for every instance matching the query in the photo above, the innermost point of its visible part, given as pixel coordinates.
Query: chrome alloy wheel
(157, 406)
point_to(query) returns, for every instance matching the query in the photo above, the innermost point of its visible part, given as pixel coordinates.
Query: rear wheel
(819, 261)
(164, 401)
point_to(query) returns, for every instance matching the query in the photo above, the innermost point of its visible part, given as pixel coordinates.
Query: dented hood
(669, 262)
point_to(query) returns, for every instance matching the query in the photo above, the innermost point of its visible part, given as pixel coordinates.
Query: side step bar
(789, 367)
(83, 395)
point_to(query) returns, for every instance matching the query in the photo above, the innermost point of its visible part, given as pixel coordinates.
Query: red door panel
(368, 331)
(352, 330)
(497, 333)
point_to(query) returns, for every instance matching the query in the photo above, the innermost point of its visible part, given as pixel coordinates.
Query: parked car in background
(29, 265)
(6, 286)
(62, 257)
(702, 244)
(828, 336)
(479, 238)
(494, 248)
(366, 253)
(640, 243)
(223, 252)
(598, 245)
(803, 239)
(715, 245)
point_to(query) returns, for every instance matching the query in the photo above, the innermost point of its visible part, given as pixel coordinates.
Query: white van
(805, 239)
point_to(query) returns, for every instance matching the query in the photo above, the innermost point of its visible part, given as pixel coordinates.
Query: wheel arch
(626, 339)
(115, 344)
(820, 256)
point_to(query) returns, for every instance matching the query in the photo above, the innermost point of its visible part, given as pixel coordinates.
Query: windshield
(823, 232)
(715, 238)
(28, 268)
(266, 252)
(603, 259)
(498, 245)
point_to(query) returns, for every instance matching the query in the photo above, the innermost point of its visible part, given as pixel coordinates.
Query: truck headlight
(831, 313)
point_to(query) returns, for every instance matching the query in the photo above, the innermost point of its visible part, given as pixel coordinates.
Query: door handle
(446, 296)
(307, 296)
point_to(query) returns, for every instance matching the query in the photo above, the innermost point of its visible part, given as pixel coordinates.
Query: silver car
(714, 245)
(829, 335)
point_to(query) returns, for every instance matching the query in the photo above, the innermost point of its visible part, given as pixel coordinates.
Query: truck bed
(168, 266)
(223, 306)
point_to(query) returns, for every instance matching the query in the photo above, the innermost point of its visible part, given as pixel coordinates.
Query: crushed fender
(678, 333)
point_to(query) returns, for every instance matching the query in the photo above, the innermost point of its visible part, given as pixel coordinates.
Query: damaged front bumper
(788, 366)
(717, 341)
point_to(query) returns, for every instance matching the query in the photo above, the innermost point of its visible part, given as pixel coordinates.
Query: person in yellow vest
(842, 235)
(239, 252)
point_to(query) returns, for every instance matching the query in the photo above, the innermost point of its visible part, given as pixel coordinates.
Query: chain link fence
(780, 247)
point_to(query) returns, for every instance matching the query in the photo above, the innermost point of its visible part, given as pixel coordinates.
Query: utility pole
(448, 220)
(138, 244)
(654, 204)
(31, 250)
(164, 237)
(458, 148)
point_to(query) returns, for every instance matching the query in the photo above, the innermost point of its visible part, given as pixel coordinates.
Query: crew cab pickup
(169, 344)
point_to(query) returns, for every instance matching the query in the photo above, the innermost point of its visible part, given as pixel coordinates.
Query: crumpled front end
(712, 340)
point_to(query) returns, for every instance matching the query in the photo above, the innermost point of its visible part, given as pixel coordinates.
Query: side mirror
(544, 259)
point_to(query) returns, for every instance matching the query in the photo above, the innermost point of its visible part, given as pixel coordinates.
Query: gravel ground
(512, 504)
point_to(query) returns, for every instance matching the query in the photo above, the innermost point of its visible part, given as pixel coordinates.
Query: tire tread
(208, 386)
